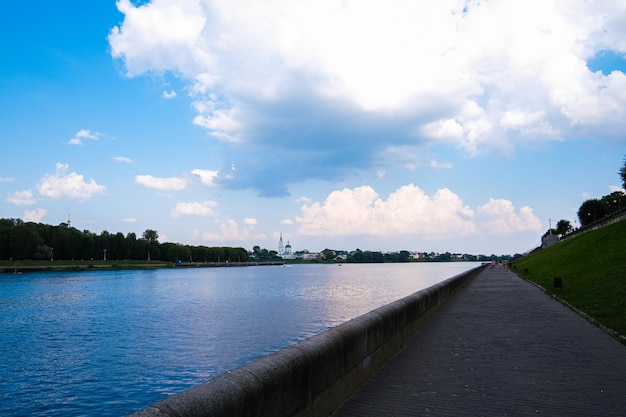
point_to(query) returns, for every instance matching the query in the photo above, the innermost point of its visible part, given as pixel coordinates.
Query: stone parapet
(315, 376)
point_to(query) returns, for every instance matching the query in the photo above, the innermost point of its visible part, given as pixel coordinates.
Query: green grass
(593, 271)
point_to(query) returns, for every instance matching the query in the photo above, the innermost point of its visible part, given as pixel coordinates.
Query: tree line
(595, 209)
(21, 240)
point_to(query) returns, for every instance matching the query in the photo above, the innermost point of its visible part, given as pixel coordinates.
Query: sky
(432, 126)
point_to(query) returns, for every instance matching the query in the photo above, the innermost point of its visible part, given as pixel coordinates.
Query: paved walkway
(501, 347)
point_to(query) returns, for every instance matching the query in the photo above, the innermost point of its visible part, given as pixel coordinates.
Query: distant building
(311, 256)
(549, 240)
(285, 252)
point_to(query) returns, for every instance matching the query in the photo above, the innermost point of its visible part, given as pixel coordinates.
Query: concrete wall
(315, 376)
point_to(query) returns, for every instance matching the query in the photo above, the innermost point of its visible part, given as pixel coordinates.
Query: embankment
(313, 377)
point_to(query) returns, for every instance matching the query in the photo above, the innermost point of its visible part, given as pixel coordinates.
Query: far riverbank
(34, 266)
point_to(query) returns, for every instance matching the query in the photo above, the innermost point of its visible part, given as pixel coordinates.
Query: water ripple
(106, 343)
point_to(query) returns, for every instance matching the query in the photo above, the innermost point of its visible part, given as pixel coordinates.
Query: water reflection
(108, 343)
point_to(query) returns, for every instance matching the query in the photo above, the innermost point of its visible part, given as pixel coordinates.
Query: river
(107, 343)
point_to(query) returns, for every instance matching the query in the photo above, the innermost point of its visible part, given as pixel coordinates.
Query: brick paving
(501, 347)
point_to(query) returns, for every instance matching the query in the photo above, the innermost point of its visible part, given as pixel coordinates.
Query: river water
(107, 343)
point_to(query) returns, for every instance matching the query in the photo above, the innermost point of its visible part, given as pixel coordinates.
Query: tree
(177, 252)
(404, 256)
(329, 254)
(42, 252)
(357, 256)
(216, 254)
(563, 226)
(151, 237)
(235, 254)
(132, 248)
(88, 241)
(23, 241)
(378, 257)
(614, 202)
(199, 253)
(591, 211)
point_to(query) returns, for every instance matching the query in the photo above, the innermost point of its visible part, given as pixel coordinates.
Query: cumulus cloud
(406, 211)
(290, 85)
(71, 185)
(194, 209)
(228, 232)
(129, 220)
(83, 134)
(163, 184)
(409, 211)
(7, 179)
(498, 217)
(123, 159)
(207, 177)
(35, 215)
(21, 198)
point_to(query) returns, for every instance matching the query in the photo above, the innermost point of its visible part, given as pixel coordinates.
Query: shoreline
(17, 267)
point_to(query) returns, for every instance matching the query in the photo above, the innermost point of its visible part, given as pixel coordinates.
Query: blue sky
(461, 126)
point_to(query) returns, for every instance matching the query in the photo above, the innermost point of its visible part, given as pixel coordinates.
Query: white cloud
(83, 134)
(21, 198)
(129, 220)
(406, 211)
(169, 94)
(222, 123)
(399, 50)
(498, 217)
(482, 76)
(229, 232)
(194, 209)
(123, 159)
(163, 184)
(250, 221)
(35, 215)
(70, 185)
(206, 176)
(170, 31)
(7, 179)
(304, 200)
(409, 211)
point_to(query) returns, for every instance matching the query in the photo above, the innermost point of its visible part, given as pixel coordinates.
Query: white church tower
(281, 248)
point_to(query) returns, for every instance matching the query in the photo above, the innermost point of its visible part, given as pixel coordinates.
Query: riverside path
(501, 347)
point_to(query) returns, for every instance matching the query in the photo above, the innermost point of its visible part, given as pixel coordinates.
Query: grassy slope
(593, 270)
